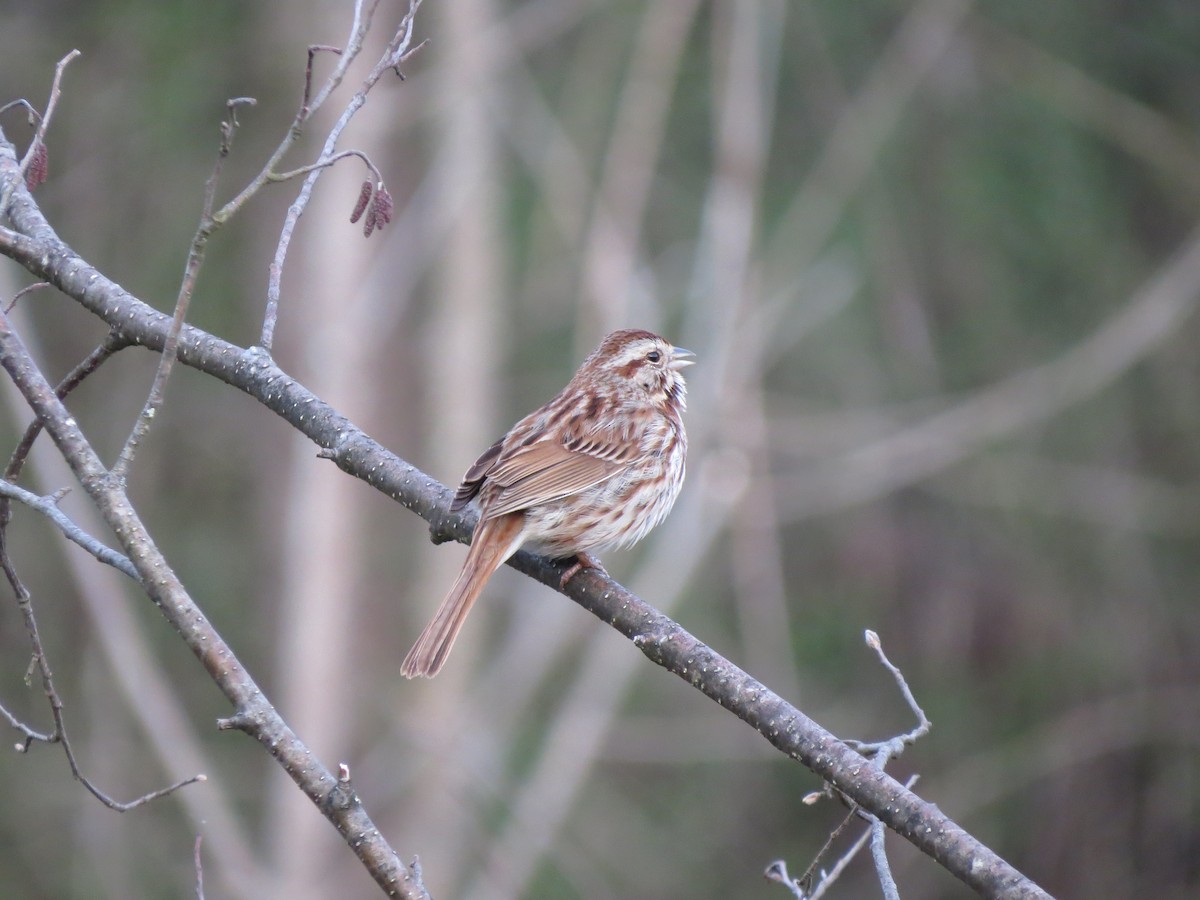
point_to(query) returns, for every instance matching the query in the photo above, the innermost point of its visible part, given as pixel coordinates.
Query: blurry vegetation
(1039, 589)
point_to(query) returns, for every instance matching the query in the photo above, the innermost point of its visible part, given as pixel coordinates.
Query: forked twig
(879, 753)
(893, 747)
(59, 736)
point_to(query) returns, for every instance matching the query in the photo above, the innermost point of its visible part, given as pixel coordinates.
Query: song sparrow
(597, 466)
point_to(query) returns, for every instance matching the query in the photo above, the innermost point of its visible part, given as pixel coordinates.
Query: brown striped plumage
(598, 466)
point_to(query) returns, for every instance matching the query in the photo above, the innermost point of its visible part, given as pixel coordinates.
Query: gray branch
(35, 246)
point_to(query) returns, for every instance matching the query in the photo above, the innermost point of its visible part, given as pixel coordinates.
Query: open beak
(680, 358)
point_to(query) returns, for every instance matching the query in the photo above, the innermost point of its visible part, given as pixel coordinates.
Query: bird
(597, 467)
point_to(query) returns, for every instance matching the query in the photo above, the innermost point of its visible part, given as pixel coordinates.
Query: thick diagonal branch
(664, 641)
(255, 715)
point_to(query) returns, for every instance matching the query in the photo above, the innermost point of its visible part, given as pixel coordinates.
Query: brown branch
(663, 641)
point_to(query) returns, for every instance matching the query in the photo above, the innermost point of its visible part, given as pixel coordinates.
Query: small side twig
(113, 343)
(893, 747)
(28, 289)
(811, 887)
(325, 163)
(406, 56)
(879, 754)
(48, 507)
(805, 882)
(35, 153)
(30, 734)
(313, 50)
(59, 736)
(828, 879)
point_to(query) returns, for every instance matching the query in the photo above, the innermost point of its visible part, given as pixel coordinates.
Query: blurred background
(938, 261)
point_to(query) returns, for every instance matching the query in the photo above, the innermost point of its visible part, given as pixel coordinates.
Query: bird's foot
(582, 561)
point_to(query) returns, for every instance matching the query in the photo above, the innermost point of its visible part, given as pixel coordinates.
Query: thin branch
(41, 665)
(828, 879)
(883, 869)
(809, 878)
(39, 137)
(815, 881)
(90, 363)
(30, 109)
(326, 163)
(28, 289)
(358, 29)
(48, 507)
(313, 50)
(893, 747)
(30, 734)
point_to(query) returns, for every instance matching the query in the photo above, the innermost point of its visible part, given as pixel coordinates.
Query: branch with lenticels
(33, 244)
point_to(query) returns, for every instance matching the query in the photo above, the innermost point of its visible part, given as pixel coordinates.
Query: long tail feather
(495, 540)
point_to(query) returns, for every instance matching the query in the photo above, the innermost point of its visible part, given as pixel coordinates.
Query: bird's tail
(495, 540)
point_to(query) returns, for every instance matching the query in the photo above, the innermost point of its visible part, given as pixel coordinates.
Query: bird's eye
(654, 356)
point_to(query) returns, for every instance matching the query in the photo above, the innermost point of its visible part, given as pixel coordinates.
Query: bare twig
(883, 869)
(326, 163)
(30, 734)
(29, 108)
(363, 10)
(879, 754)
(893, 747)
(28, 289)
(829, 878)
(407, 55)
(39, 137)
(313, 50)
(110, 345)
(815, 881)
(48, 507)
(809, 878)
(41, 665)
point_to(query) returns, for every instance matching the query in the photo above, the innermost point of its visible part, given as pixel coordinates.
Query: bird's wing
(473, 480)
(548, 470)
